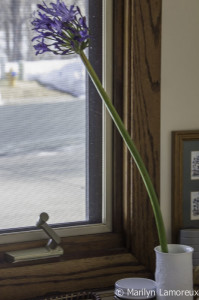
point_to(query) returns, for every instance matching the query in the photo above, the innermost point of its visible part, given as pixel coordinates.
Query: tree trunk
(16, 30)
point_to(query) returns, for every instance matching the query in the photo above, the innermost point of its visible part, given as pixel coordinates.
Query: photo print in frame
(195, 165)
(194, 197)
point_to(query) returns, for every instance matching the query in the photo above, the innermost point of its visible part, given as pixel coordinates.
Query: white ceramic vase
(174, 273)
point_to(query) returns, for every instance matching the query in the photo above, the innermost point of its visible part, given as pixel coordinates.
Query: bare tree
(15, 28)
(5, 26)
(11, 26)
(16, 21)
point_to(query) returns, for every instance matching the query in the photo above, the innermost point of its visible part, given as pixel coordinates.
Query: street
(42, 162)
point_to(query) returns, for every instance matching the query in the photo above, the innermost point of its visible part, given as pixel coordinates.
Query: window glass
(45, 112)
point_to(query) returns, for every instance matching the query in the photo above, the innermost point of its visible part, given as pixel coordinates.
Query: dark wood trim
(75, 247)
(72, 275)
(137, 61)
(143, 60)
(127, 108)
(118, 86)
(177, 140)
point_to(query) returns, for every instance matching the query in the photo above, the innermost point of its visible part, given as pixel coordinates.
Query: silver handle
(55, 240)
(50, 250)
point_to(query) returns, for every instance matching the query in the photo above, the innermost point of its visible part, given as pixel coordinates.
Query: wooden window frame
(97, 261)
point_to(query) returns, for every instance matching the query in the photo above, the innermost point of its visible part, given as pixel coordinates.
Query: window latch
(52, 248)
(55, 240)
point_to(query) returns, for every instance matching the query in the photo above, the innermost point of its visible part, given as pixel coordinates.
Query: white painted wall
(179, 83)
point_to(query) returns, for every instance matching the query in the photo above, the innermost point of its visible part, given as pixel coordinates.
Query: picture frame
(185, 181)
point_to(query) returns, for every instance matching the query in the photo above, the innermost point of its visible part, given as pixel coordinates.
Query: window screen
(50, 133)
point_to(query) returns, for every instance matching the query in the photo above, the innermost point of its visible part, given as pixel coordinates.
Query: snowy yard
(63, 75)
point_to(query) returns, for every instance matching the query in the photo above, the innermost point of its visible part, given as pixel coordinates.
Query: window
(51, 134)
(97, 260)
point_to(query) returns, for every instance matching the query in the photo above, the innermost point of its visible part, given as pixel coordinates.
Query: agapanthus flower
(61, 29)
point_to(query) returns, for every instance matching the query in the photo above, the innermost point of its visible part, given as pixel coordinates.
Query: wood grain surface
(118, 86)
(142, 116)
(73, 275)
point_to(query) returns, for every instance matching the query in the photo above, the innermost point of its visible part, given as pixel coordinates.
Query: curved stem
(133, 150)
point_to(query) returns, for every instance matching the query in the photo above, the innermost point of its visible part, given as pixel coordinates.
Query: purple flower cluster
(60, 30)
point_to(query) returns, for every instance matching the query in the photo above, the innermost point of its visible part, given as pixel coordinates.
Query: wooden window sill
(74, 275)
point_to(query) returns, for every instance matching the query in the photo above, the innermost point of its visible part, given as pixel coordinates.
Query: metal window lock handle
(55, 240)
(52, 249)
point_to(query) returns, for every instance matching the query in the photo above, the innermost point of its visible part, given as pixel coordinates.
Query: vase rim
(175, 249)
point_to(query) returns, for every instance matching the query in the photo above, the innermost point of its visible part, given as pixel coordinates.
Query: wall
(180, 83)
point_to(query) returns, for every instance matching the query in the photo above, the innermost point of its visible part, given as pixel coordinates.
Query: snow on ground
(63, 75)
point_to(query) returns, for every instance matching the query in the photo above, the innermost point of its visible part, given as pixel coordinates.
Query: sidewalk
(29, 92)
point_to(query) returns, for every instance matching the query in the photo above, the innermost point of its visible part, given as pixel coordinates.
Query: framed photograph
(185, 181)
(194, 213)
(195, 165)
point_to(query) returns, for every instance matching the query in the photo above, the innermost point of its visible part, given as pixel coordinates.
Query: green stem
(133, 150)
